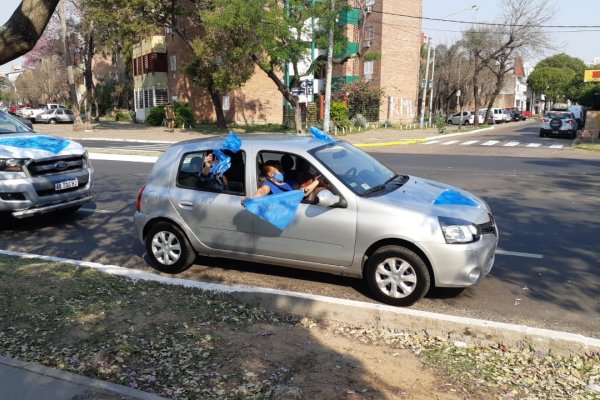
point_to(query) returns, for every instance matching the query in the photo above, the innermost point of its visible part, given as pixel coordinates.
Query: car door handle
(186, 204)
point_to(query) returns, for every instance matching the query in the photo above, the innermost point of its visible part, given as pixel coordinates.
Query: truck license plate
(66, 184)
(555, 132)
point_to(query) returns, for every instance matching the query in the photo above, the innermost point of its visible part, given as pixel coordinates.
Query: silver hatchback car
(402, 234)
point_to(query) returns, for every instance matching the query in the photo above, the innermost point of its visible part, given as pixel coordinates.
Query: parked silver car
(54, 116)
(40, 173)
(402, 234)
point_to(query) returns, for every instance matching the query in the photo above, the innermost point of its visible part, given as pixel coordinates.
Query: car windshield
(9, 124)
(356, 169)
(562, 115)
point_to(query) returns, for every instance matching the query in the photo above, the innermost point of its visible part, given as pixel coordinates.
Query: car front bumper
(462, 265)
(25, 197)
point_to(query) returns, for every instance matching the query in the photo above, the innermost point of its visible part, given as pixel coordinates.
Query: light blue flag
(232, 143)
(48, 143)
(277, 209)
(452, 197)
(322, 136)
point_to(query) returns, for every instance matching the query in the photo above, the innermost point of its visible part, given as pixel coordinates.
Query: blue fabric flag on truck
(277, 209)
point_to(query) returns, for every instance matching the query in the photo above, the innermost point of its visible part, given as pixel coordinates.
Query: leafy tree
(554, 82)
(361, 98)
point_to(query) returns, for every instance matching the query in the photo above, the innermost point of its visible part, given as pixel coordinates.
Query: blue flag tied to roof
(48, 143)
(452, 197)
(277, 209)
(232, 143)
(320, 135)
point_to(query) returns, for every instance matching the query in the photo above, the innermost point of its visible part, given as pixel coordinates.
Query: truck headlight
(12, 164)
(459, 231)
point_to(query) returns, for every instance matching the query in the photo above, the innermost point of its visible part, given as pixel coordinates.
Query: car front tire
(169, 249)
(397, 276)
(52, 121)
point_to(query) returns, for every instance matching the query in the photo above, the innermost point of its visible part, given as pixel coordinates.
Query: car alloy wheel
(168, 248)
(52, 121)
(397, 276)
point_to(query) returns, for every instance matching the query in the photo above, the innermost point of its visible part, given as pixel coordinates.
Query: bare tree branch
(24, 28)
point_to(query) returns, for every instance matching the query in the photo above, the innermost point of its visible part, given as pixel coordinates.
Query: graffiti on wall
(399, 108)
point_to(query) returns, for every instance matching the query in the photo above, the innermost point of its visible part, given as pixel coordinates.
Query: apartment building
(150, 83)
(380, 27)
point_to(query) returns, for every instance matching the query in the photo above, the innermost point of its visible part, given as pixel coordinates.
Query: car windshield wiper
(381, 186)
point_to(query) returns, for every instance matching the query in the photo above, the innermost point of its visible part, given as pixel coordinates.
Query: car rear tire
(542, 134)
(52, 121)
(397, 276)
(168, 248)
(450, 122)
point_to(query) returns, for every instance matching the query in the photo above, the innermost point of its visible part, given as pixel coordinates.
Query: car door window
(189, 175)
(297, 171)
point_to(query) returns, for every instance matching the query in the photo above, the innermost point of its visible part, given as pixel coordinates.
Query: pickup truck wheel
(169, 249)
(397, 276)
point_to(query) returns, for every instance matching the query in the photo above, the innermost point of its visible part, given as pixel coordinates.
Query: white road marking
(511, 144)
(534, 145)
(468, 143)
(557, 146)
(490, 143)
(432, 142)
(518, 254)
(123, 157)
(94, 210)
(450, 142)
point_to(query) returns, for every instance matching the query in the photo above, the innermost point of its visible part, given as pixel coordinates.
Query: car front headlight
(459, 231)
(12, 164)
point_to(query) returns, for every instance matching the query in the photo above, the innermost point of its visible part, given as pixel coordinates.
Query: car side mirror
(327, 199)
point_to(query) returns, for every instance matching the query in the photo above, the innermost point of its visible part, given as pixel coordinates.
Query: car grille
(57, 165)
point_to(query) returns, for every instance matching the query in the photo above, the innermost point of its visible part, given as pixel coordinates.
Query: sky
(583, 45)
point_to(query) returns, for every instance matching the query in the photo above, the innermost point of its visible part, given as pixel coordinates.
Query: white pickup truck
(34, 112)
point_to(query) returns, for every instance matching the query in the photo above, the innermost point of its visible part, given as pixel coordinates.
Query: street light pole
(474, 7)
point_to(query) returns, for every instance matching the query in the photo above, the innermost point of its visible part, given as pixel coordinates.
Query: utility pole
(329, 71)
(424, 91)
(432, 76)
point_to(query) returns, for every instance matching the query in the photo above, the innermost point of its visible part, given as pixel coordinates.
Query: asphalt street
(546, 205)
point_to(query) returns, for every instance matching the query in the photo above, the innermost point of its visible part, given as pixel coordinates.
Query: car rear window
(561, 115)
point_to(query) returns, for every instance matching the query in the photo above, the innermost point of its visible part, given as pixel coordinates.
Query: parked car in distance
(559, 123)
(526, 114)
(54, 116)
(515, 114)
(468, 118)
(497, 114)
(401, 234)
(39, 173)
(34, 112)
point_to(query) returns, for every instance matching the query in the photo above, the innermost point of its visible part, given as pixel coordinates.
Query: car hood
(439, 199)
(36, 146)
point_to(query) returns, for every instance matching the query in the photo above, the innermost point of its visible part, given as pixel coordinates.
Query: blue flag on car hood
(48, 143)
(451, 197)
(277, 209)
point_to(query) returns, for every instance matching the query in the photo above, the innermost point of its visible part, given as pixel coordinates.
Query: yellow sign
(591, 75)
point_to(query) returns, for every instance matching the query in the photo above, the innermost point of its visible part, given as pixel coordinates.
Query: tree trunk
(284, 90)
(215, 96)
(88, 75)
(77, 122)
(476, 101)
(22, 31)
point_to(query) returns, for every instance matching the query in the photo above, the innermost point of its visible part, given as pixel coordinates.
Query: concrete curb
(363, 313)
(78, 380)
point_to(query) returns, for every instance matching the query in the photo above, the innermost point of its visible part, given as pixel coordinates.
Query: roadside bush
(184, 116)
(156, 116)
(360, 120)
(361, 99)
(121, 117)
(340, 114)
(439, 121)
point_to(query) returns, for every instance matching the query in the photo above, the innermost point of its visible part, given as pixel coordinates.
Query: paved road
(546, 207)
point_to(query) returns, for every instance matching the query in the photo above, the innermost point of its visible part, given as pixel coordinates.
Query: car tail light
(138, 203)
(546, 120)
(570, 121)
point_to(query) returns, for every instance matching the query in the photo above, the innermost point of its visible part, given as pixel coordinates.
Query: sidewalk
(29, 381)
(139, 132)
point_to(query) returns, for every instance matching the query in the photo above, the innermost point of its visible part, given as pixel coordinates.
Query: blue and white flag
(232, 143)
(47, 143)
(277, 209)
(320, 135)
(453, 198)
